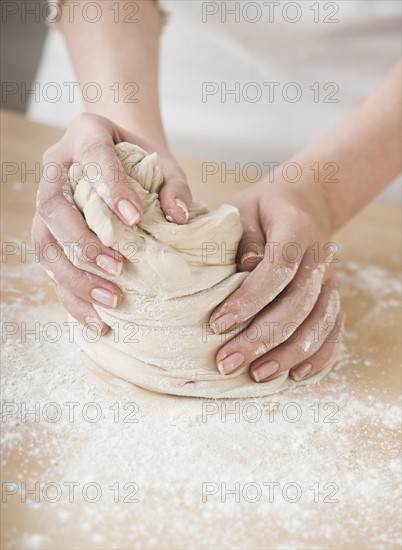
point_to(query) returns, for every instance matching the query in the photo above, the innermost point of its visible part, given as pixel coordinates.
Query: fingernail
(301, 371)
(251, 256)
(231, 363)
(181, 204)
(128, 211)
(265, 370)
(94, 324)
(109, 264)
(104, 297)
(222, 324)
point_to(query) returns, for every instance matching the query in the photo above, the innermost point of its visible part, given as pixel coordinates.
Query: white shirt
(294, 69)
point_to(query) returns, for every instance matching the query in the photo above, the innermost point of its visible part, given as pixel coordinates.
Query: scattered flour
(160, 450)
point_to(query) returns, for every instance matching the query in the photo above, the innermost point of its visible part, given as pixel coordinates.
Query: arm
(366, 146)
(114, 51)
(300, 293)
(105, 52)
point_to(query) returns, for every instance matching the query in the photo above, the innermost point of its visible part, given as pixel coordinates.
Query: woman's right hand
(90, 141)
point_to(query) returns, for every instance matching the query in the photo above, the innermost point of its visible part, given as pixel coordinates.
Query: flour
(346, 434)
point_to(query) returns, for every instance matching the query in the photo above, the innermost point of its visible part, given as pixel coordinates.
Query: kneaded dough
(173, 278)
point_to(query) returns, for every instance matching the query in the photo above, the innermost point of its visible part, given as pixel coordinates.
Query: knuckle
(265, 266)
(91, 145)
(174, 175)
(178, 180)
(259, 349)
(72, 281)
(115, 189)
(81, 241)
(257, 340)
(289, 211)
(298, 219)
(49, 154)
(83, 118)
(304, 222)
(86, 247)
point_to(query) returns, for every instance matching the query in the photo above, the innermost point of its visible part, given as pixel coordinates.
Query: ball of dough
(173, 278)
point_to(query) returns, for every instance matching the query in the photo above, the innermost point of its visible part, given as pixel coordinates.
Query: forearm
(366, 146)
(114, 53)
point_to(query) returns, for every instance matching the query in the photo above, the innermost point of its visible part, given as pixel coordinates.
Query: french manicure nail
(181, 204)
(109, 264)
(128, 211)
(231, 363)
(223, 323)
(104, 297)
(251, 256)
(94, 324)
(301, 371)
(265, 370)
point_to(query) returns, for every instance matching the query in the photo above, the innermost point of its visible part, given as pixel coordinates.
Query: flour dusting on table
(336, 442)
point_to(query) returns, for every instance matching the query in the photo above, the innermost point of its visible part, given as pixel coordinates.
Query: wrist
(317, 202)
(317, 178)
(296, 182)
(134, 124)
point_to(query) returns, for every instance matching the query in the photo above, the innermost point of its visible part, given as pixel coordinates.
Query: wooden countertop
(369, 255)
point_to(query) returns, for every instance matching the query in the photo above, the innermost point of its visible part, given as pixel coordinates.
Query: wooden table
(369, 259)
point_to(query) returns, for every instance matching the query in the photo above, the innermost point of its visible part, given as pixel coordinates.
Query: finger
(321, 358)
(275, 271)
(175, 195)
(81, 284)
(56, 207)
(276, 323)
(96, 154)
(82, 311)
(252, 243)
(306, 340)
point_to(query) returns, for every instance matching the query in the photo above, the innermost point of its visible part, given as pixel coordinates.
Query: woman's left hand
(291, 289)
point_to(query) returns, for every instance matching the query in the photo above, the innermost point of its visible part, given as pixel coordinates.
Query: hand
(90, 140)
(291, 289)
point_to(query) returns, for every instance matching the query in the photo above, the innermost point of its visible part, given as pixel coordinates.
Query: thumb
(252, 244)
(175, 195)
